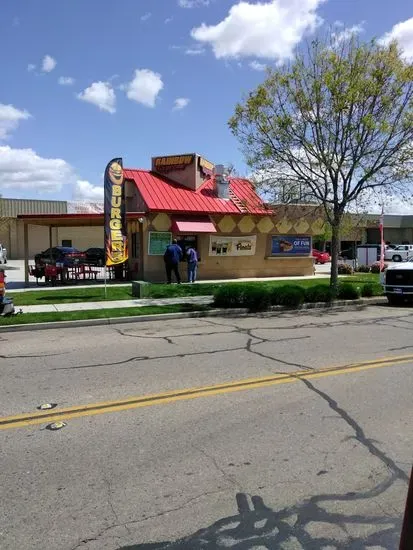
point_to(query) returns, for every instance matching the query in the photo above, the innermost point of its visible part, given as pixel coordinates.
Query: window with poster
(187, 241)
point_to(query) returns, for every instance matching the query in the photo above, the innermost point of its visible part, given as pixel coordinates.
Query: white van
(399, 253)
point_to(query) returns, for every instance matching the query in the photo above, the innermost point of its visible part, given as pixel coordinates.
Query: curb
(343, 305)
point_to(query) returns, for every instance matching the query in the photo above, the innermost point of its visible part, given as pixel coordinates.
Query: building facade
(235, 233)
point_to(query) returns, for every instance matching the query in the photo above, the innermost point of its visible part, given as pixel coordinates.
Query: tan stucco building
(235, 233)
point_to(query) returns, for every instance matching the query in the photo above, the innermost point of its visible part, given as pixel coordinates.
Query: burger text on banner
(116, 245)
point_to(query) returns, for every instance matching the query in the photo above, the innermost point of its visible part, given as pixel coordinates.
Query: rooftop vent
(221, 182)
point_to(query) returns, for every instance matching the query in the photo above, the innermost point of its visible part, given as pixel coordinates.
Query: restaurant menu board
(291, 246)
(158, 243)
(232, 246)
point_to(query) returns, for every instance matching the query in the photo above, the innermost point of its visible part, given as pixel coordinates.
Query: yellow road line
(103, 407)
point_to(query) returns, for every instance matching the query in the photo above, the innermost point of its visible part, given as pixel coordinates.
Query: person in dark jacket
(192, 259)
(172, 257)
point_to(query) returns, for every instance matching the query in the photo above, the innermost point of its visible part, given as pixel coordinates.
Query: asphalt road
(210, 433)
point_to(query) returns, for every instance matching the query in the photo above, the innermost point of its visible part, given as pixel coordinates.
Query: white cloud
(403, 34)
(48, 64)
(195, 51)
(268, 30)
(146, 16)
(85, 190)
(66, 81)
(10, 118)
(193, 3)
(168, 20)
(181, 103)
(100, 94)
(24, 169)
(31, 67)
(257, 66)
(145, 87)
(346, 33)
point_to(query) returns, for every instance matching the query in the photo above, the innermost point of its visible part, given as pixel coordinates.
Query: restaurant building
(235, 233)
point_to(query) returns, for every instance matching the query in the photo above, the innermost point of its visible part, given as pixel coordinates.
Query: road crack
(360, 436)
(129, 523)
(228, 477)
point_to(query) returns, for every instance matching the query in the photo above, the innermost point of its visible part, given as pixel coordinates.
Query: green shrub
(229, 295)
(345, 269)
(363, 269)
(377, 289)
(257, 298)
(319, 293)
(348, 291)
(372, 289)
(375, 268)
(275, 292)
(368, 290)
(290, 296)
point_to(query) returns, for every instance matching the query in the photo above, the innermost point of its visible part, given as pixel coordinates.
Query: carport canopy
(51, 221)
(62, 220)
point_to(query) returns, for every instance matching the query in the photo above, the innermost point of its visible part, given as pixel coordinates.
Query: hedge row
(261, 297)
(346, 269)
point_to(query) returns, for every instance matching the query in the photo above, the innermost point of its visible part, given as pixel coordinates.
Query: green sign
(158, 243)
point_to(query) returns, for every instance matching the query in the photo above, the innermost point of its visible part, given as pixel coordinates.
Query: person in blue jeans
(173, 255)
(192, 259)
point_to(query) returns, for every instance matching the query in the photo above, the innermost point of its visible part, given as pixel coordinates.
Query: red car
(321, 257)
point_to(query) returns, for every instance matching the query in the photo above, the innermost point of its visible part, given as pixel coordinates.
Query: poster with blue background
(291, 245)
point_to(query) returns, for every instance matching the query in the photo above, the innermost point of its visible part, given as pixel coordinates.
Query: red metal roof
(163, 195)
(197, 225)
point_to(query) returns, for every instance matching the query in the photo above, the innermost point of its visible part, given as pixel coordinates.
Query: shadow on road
(307, 526)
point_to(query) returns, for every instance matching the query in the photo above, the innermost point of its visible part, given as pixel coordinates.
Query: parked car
(399, 254)
(65, 255)
(95, 256)
(321, 257)
(3, 254)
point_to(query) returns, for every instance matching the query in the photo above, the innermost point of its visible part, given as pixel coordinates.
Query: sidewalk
(117, 304)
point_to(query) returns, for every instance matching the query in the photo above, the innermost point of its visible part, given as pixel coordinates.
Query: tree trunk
(335, 249)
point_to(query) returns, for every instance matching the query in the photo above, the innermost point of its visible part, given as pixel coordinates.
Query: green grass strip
(55, 316)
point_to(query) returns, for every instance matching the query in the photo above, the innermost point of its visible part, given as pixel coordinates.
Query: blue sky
(86, 80)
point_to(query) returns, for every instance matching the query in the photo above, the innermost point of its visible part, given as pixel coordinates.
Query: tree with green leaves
(337, 122)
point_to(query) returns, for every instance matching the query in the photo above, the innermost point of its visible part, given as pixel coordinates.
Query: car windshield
(67, 249)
